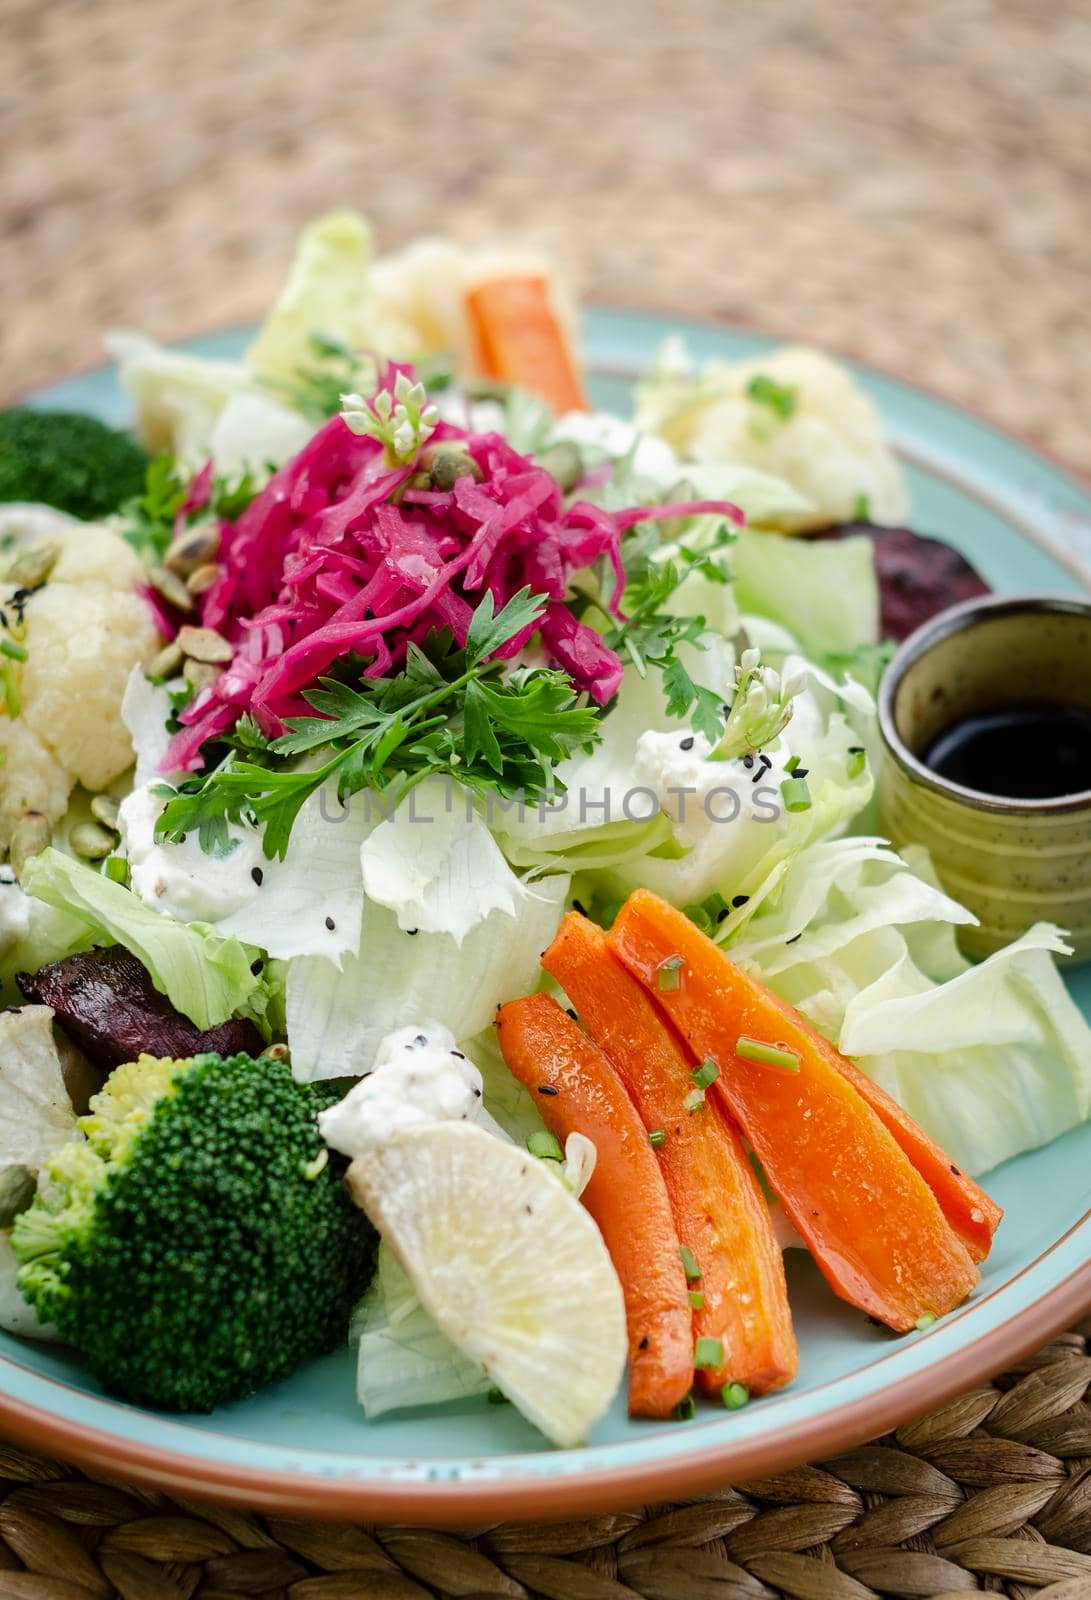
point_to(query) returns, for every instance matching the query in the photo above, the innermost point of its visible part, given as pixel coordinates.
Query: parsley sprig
(652, 631)
(452, 713)
(147, 520)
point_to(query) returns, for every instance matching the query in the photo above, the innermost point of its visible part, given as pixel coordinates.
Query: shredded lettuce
(436, 865)
(206, 975)
(325, 294)
(336, 1019)
(825, 593)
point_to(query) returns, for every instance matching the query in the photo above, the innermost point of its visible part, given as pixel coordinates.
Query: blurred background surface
(906, 182)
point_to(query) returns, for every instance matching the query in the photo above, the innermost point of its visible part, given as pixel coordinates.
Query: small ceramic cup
(1011, 862)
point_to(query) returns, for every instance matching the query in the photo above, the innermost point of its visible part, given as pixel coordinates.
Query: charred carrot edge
(626, 1195)
(521, 341)
(869, 1219)
(719, 1210)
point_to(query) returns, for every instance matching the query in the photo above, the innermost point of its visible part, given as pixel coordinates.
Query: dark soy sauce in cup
(1037, 752)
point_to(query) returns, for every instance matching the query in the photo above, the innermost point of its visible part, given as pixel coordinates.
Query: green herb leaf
(781, 398)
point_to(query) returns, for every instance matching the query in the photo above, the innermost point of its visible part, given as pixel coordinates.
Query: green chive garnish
(795, 794)
(708, 1354)
(861, 509)
(699, 917)
(694, 1100)
(857, 761)
(696, 1299)
(791, 764)
(116, 868)
(685, 1410)
(668, 974)
(12, 698)
(770, 1055)
(497, 1397)
(925, 1321)
(16, 652)
(734, 1395)
(689, 1264)
(705, 1074)
(546, 1146)
(657, 1137)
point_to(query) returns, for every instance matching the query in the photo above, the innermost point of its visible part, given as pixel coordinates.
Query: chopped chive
(546, 1146)
(694, 1100)
(668, 974)
(116, 868)
(689, 1264)
(699, 917)
(696, 1299)
(685, 1410)
(795, 794)
(497, 1397)
(734, 1396)
(924, 1321)
(716, 907)
(657, 1137)
(770, 1055)
(857, 762)
(792, 764)
(708, 1354)
(12, 698)
(16, 652)
(861, 509)
(705, 1074)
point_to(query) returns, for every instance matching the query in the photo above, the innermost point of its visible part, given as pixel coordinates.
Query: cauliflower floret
(83, 632)
(827, 442)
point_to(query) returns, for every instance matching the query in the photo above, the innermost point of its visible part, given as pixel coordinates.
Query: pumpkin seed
(564, 460)
(171, 587)
(199, 674)
(29, 838)
(105, 810)
(202, 578)
(18, 1187)
(446, 463)
(91, 841)
(168, 663)
(204, 644)
(32, 567)
(192, 548)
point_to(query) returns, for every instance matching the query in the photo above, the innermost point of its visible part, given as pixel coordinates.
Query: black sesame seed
(748, 762)
(257, 874)
(720, 915)
(420, 1041)
(546, 1088)
(739, 899)
(686, 744)
(477, 1094)
(571, 1013)
(256, 966)
(644, 1343)
(330, 924)
(794, 937)
(801, 772)
(577, 905)
(412, 932)
(458, 1055)
(956, 1172)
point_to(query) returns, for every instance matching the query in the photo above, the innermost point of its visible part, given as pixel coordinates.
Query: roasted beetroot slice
(105, 1000)
(917, 576)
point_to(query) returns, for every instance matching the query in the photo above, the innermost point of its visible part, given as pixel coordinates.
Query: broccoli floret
(67, 460)
(201, 1242)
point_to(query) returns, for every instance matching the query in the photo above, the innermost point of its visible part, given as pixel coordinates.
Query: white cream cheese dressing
(181, 880)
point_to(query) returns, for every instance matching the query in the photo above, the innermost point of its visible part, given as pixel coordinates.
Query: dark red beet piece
(917, 576)
(105, 1000)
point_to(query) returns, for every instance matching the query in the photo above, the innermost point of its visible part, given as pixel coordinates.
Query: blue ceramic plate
(306, 1446)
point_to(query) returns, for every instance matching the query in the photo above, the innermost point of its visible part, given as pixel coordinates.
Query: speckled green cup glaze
(1012, 862)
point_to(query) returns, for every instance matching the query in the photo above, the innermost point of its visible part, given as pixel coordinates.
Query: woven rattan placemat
(906, 182)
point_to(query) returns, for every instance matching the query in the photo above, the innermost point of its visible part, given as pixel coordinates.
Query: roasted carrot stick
(626, 1195)
(973, 1215)
(521, 341)
(719, 1210)
(871, 1222)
